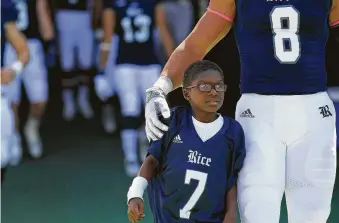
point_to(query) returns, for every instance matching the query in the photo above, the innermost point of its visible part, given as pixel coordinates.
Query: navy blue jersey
(134, 26)
(78, 5)
(8, 14)
(282, 45)
(27, 21)
(194, 176)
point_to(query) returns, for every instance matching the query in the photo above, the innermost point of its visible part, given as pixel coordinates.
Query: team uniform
(73, 21)
(76, 45)
(286, 114)
(34, 75)
(136, 68)
(8, 14)
(198, 164)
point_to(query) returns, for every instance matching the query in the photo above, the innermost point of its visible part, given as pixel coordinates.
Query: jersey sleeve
(8, 12)
(239, 154)
(155, 149)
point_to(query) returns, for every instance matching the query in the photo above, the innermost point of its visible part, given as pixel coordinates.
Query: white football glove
(102, 87)
(156, 109)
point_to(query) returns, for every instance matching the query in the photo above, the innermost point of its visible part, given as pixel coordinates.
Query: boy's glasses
(208, 87)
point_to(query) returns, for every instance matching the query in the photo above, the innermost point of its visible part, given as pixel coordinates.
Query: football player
(286, 114)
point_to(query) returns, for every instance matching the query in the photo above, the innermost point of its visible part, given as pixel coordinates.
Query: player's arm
(19, 43)
(45, 20)
(109, 21)
(231, 206)
(165, 35)
(147, 171)
(211, 28)
(334, 19)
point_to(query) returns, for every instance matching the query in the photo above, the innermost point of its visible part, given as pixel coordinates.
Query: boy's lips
(213, 102)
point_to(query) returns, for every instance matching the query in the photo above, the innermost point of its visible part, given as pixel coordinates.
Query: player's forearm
(147, 170)
(231, 201)
(208, 31)
(104, 54)
(334, 19)
(181, 58)
(18, 41)
(140, 183)
(22, 50)
(108, 27)
(45, 20)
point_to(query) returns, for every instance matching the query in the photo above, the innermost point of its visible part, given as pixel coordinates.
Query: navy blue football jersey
(8, 14)
(282, 45)
(194, 176)
(27, 21)
(134, 26)
(78, 5)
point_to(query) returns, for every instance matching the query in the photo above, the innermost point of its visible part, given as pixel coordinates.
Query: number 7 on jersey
(201, 177)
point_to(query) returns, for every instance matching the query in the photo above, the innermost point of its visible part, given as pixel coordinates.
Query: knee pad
(130, 122)
(69, 79)
(85, 76)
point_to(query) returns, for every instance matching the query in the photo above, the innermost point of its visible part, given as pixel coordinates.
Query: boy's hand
(135, 210)
(230, 218)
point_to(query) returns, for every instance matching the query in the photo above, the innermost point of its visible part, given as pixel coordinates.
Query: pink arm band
(334, 23)
(227, 18)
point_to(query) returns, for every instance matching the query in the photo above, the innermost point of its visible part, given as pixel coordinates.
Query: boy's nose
(213, 92)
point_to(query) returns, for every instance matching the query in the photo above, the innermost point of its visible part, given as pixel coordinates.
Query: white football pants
(291, 148)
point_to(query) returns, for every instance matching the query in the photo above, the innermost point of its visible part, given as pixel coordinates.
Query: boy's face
(208, 101)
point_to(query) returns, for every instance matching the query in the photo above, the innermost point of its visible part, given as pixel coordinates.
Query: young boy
(191, 172)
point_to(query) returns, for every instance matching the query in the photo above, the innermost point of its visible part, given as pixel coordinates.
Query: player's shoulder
(233, 125)
(178, 115)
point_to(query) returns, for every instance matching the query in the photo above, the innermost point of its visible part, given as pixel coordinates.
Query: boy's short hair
(198, 67)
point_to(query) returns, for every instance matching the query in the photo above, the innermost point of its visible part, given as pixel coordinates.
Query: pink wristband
(334, 23)
(227, 18)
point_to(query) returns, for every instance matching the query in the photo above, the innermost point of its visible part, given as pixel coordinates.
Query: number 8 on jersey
(285, 27)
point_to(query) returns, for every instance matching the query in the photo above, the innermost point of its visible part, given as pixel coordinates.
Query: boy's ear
(186, 94)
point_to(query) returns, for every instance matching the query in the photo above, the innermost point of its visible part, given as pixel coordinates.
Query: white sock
(32, 125)
(129, 138)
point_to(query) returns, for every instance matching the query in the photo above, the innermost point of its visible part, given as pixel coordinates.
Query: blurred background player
(104, 80)
(75, 34)
(34, 21)
(291, 91)
(136, 66)
(10, 33)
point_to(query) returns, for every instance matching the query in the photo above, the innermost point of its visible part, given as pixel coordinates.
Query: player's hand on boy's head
(156, 107)
(135, 210)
